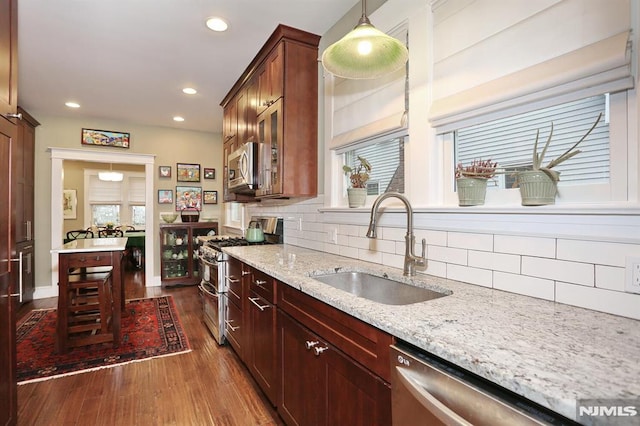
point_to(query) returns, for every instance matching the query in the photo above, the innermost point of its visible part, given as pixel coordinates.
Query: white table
(84, 253)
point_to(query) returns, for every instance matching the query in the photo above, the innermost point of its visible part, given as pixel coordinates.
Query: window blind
(564, 47)
(510, 141)
(136, 190)
(104, 192)
(366, 109)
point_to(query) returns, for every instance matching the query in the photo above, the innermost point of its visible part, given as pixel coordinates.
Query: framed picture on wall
(164, 171)
(188, 172)
(165, 196)
(188, 197)
(210, 197)
(105, 138)
(209, 173)
(69, 204)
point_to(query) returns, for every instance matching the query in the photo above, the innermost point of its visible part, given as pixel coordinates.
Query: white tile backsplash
(585, 273)
(559, 270)
(529, 286)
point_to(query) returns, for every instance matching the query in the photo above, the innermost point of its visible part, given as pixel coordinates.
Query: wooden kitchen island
(88, 253)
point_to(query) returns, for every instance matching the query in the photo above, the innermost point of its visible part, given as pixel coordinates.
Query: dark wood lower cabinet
(320, 385)
(262, 338)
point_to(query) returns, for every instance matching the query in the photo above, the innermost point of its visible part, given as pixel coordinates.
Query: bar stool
(89, 309)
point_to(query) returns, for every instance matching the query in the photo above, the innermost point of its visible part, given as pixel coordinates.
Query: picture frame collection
(187, 195)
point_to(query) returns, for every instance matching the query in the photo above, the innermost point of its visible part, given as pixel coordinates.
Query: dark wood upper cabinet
(280, 82)
(9, 58)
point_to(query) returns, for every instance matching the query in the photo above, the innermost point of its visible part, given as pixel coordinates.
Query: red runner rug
(152, 329)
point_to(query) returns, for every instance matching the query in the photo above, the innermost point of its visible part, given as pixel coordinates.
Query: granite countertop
(548, 352)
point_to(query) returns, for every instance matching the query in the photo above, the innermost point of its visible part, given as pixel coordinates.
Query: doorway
(58, 156)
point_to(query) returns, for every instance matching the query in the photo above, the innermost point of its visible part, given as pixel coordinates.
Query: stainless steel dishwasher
(429, 391)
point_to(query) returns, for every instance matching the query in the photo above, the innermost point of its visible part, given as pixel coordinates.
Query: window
(115, 202)
(387, 165)
(509, 141)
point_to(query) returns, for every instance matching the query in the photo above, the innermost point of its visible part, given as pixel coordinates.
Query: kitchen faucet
(410, 259)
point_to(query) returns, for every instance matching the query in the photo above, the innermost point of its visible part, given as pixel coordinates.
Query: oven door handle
(430, 402)
(204, 290)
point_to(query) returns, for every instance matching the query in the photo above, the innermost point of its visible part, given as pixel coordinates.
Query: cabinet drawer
(362, 342)
(76, 260)
(235, 274)
(263, 285)
(235, 328)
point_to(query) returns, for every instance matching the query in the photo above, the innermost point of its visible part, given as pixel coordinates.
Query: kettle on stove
(254, 232)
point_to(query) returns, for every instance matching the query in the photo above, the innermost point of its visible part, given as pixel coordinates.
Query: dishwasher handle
(430, 402)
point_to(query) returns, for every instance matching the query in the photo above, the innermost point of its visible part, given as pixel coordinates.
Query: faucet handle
(424, 248)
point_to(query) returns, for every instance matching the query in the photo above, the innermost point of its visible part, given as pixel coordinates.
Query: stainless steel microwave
(243, 169)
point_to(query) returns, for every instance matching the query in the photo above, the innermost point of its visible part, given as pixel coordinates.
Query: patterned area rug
(152, 329)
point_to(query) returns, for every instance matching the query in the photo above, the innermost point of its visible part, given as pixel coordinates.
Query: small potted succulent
(358, 176)
(539, 185)
(471, 181)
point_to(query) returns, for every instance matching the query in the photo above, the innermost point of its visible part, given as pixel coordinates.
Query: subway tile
(469, 275)
(310, 217)
(312, 226)
(528, 286)
(447, 254)
(435, 268)
(494, 261)
(470, 241)
(370, 256)
(360, 242)
(382, 245)
(600, 253)
(610, 277)
(531, 246)
(559, 270)
(395, 234)
(349, 229)
(436, 238)
(331, 248)
(349, 252)
(613, 302)
(393, 260)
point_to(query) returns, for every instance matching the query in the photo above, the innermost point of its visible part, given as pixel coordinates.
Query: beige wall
(169, 146)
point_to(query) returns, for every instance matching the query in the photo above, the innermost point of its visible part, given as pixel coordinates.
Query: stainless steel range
(213, 262)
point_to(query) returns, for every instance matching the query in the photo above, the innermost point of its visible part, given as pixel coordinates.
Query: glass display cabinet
(179, 245)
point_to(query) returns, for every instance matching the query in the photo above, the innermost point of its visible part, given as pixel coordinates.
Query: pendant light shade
(110, 176)
(365, 52)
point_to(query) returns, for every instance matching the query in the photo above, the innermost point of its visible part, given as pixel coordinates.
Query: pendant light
(110, 176)
(365, 52)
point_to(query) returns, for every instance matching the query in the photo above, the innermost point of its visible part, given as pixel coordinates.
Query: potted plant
(539, 185)
(471, 181)
(358, 176)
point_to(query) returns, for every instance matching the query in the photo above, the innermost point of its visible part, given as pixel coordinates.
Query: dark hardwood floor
(208, 386)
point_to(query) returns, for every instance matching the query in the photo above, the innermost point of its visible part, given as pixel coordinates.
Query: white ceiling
(128, 60)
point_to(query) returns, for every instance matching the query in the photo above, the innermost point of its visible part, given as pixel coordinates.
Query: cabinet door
(271, 150)
(195, 231)
(175, 254)
(303, 386)
(262, 332)
(9, 57)
(271, 79)
(235, 328)
(22, 184)
(230, 120)
(354, 395)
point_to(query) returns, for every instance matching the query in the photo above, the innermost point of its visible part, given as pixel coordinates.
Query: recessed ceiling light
(178, 118)
(72, 104)
(189, 91)
(216, 24)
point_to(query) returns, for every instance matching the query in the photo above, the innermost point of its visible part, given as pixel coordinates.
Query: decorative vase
(537, 188)
(471, 191)
(357, 196)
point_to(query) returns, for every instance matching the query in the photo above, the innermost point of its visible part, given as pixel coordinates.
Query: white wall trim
(58, 155)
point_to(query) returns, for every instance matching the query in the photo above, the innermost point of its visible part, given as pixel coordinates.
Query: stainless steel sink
(378, 289)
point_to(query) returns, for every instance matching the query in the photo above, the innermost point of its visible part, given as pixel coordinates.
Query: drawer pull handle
(233, 292)
(254, 300)
(311, 343)
(232, 280)
(318, 350)
(229, 326)
(260, 283)
(245, 273)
